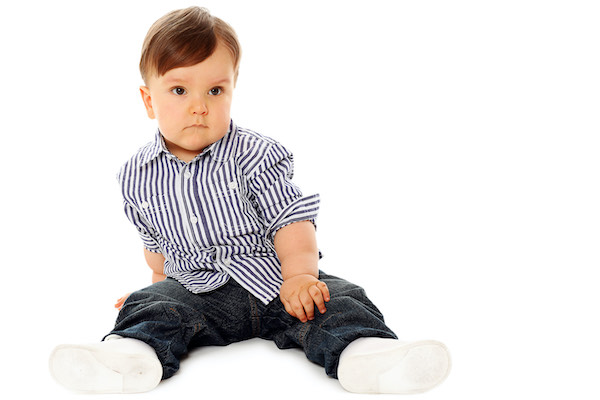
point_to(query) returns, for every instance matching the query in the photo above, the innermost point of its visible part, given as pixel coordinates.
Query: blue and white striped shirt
(215, 217)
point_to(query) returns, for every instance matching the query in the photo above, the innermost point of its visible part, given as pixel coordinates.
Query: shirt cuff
(150, 244)
(303, 209)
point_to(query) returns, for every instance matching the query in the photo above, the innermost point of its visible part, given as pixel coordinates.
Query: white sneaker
(117, 365)
(378, 365)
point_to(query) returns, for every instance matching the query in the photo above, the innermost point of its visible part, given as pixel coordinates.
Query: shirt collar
(221, 150)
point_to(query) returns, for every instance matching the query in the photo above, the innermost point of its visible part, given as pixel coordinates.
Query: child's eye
(179, 91)
(215, 91)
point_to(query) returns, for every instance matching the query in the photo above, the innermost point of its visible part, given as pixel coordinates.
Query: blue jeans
(172, 320)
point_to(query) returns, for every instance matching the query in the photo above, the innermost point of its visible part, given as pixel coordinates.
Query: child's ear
(147, 99)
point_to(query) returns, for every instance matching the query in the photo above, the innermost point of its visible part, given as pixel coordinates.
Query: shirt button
(227, 262)
(145, 205)
(193, 220)
(187, 174)
(232, 185)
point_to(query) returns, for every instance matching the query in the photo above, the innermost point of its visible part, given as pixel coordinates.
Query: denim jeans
(172, 320)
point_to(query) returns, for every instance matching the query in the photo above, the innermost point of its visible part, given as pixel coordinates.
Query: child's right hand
(121, 301)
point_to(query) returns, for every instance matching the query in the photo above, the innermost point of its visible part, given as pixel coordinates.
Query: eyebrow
(220, 82)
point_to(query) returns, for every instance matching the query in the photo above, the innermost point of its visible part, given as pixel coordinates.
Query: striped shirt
(215, 217)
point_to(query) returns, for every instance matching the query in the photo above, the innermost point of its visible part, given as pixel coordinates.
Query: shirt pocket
(154, 208)
(233, 210)
(153, 205)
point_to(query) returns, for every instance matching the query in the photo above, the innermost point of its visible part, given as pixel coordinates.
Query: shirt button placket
(187, 175)
(193, 219)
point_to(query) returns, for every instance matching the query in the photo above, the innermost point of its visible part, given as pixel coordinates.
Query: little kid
(230, 240)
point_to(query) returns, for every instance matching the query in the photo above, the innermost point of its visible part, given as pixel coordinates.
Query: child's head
(183, 38)
(189, 64)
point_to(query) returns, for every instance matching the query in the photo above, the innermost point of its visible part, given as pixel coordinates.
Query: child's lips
(198, 126)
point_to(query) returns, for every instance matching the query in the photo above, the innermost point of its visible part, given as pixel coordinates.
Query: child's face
(192, 104)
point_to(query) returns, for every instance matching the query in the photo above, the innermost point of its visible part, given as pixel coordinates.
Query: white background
(454, 144)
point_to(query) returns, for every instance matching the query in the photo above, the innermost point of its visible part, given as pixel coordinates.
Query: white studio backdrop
(454, 144)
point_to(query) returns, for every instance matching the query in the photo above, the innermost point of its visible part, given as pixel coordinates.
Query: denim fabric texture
(173, 320)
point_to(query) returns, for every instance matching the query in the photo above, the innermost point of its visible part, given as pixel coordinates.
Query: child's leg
(169, 318)
(350, 315)
(163, 316)
(350, 318)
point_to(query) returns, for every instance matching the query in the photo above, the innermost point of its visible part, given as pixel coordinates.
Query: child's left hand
(301, 293)
(121, 301)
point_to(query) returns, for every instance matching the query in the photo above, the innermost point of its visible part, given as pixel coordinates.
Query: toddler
(230, 240)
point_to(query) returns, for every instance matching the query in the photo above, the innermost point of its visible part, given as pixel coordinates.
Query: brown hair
(183, 38)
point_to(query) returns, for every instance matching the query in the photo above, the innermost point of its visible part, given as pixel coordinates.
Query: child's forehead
(218, 68)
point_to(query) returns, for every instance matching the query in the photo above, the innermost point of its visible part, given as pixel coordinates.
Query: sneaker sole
(406, 369)
(83, 369)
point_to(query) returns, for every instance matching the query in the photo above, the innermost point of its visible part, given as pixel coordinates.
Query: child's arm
(296, 247)
(156, 262)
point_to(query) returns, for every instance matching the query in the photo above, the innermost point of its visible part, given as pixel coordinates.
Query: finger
(298, 310)
(119, 303)
(288, 308)
(122, 301)
(325, 290)
(317, 297)
(308, 304)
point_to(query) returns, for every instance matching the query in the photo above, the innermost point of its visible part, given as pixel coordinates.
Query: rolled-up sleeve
(143, 227)
(277, 199)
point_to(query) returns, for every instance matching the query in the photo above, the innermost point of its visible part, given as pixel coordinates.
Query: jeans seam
(331, 315)
(303, 332)
(254, 316)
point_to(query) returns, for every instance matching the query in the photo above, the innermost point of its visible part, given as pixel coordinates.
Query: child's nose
(198, 107)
